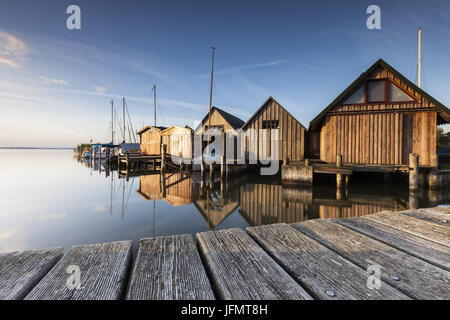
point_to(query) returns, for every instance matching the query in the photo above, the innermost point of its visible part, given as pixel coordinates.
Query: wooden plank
(435, 215)
(169, 268)
(424, 229)
(416, 278)
(103, 273)
(429, 251)
(241, 270)
(20, 271)
(316, 267)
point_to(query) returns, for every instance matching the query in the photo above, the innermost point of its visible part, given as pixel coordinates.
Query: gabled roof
(380, 63)
(234, 122)
(263, 106)
(175, 126)
(150, 127)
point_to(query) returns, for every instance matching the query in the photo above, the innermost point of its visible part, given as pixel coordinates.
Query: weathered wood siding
(151, 142)
(291, 135)
(379, 134)
(179, 142)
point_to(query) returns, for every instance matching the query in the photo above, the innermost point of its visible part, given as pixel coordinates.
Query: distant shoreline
(34, 148)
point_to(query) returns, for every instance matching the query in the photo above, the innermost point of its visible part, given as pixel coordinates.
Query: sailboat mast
(210, 97)
(124, 123)
(419, 64)
(112, 121)
(154, 102)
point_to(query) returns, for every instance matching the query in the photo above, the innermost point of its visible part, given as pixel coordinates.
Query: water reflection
(70, 202)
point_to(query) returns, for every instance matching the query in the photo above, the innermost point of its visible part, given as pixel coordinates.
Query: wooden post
(413, 200)
(163, 157)
(433, 179)
(434, 160)
(128, 161)
(339, 180)
(339, 160)
(413, 172)
(202, 167)
(222, 164)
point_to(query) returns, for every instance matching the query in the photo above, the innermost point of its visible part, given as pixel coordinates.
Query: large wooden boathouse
(380, 119)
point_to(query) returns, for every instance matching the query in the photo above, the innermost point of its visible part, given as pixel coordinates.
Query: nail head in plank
(20, 271)
(320, 270)
(169, 268)
(103, 274)
(417, 278)
(241, 270)
(424, 249)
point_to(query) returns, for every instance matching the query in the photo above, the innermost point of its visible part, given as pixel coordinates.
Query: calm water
(50, 199)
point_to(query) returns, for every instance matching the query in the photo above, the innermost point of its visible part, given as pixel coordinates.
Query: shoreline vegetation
(36, 148)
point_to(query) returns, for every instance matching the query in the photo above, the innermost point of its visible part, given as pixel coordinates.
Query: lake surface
(50, 199)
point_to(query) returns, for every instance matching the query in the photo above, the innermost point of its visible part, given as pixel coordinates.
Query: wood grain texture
(104, 269)
(417, 278)
(169, 268)
(241, 270)
(420, 228)
(316, 267)
(437, 215)
(429, 251)
(20, 271)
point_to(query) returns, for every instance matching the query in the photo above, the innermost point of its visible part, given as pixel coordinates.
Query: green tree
(443, 138)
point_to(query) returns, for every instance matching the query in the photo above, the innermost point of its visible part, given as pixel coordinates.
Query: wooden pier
(315, 259)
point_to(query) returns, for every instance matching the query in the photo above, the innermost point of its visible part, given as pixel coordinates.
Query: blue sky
(56, 84)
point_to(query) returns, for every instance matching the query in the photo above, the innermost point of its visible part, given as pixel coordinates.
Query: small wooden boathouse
(150, 138)
(269, 117)
(179, 142)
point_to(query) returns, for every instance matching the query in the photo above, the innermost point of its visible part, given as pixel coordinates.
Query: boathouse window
(271, 124)
(357, 97)
(376, 91)
(397, 95)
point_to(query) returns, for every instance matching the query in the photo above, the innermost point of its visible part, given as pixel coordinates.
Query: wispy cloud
(100, 89)
(54, 81)
(240, 68)
(13, 51)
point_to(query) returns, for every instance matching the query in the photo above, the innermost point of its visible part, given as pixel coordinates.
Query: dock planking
(103, 273)
(21, 271)
(416, 278)
(428, 230)
(321, 259)
(424, 249)
(169, 268)
(317, 268)
(241, 270)
(437, 215)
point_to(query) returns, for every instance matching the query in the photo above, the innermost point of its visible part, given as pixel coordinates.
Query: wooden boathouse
(379, 120)
(179, 142)
(269, 117)
(222, 121)
(150, 139)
